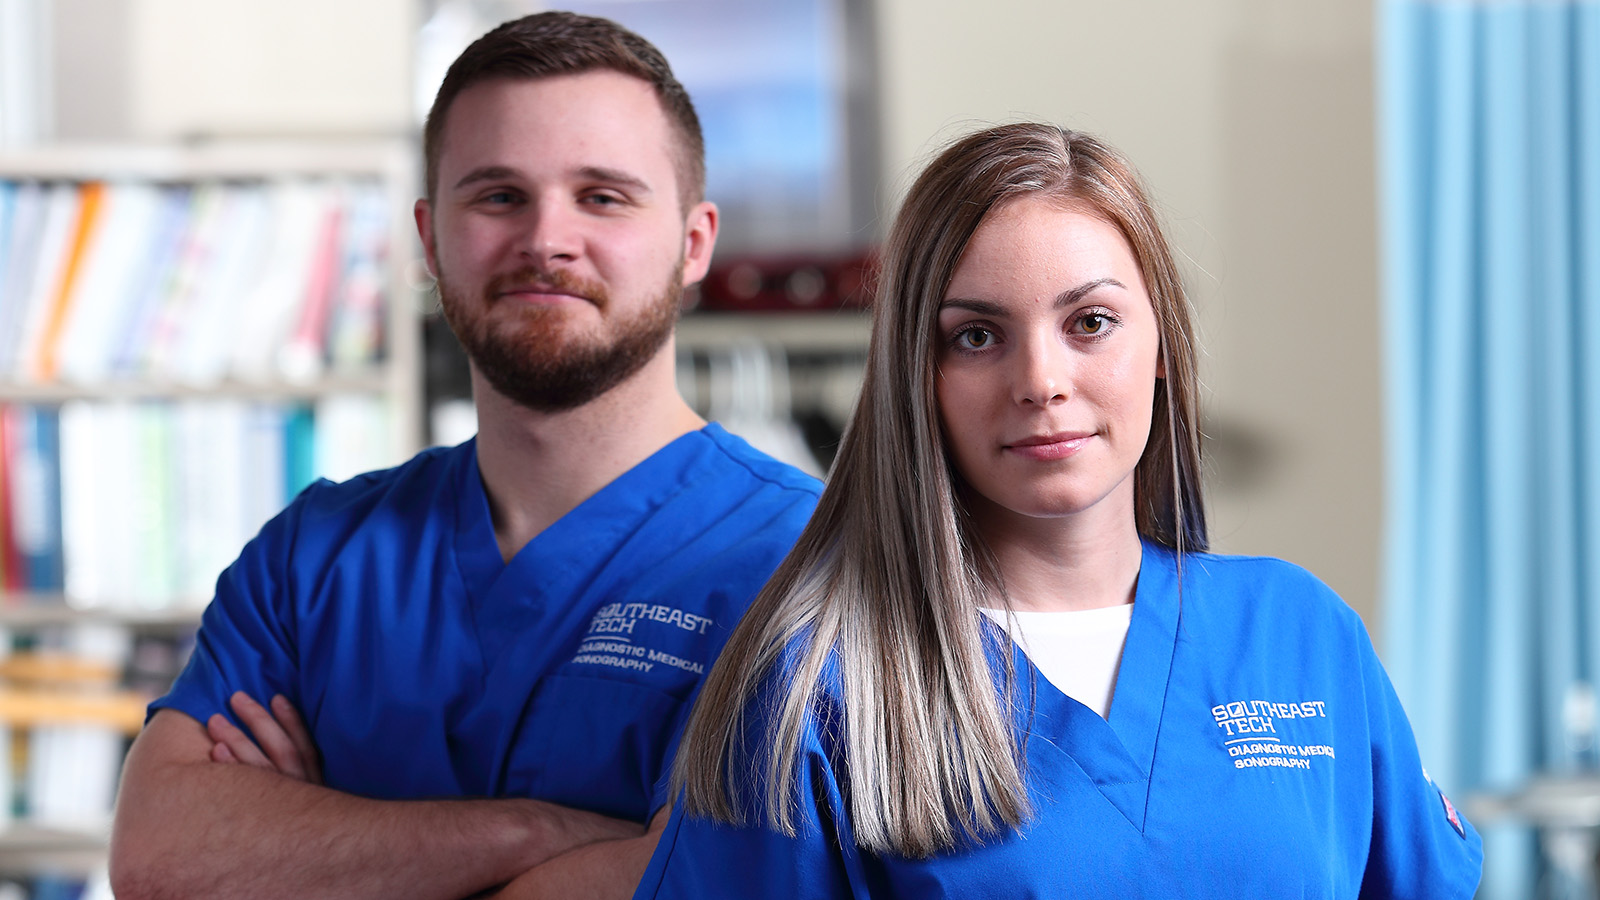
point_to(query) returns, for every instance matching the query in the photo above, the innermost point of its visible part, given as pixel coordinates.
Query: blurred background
(1388, 213)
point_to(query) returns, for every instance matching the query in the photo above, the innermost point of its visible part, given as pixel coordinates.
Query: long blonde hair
(885, 580)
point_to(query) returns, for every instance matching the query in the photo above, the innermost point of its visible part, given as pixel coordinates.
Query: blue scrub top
(1254, 748)
(425, 666)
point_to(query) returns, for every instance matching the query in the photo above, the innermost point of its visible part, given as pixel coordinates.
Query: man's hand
(282, 742)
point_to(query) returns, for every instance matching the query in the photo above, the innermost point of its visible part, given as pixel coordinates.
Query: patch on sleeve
(1450, 814)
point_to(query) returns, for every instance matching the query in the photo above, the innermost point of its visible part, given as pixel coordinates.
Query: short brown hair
(548, 44)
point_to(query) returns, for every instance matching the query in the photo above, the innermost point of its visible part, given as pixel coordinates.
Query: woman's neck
(1068, 563)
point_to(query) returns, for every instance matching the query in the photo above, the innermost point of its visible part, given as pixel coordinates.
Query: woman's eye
(975, 338)
(1094, 324)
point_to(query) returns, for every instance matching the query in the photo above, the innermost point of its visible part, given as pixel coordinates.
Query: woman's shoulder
(1259, 587)
(1266, 571)
(777, 696)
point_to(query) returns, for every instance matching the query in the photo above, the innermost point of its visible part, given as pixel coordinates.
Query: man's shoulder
(739, 459)
(328, 513)
(423, 472)
(745, 495)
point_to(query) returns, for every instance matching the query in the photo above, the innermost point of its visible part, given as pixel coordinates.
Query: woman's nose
(1043, 374)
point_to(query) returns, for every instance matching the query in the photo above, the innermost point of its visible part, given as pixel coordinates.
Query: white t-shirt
(1077, 651)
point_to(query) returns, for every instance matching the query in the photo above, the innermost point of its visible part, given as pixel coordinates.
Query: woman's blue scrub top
(1254, 748)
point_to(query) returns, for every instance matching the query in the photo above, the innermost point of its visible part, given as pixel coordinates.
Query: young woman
(999, 662)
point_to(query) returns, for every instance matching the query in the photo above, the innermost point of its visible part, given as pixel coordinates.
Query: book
(21, 254)
(264, 467)
(144, 298)
(12, 577)
(8, 212)
(114, 252)
(47, 361)
(86, 439)
(209, 486)
(352, 435)
(303, 356)
(208, 215)
(299, 452)
(51, 257)
(33, 460)
(355, 328)
(272, 307)
(148, 528)
(239, 259)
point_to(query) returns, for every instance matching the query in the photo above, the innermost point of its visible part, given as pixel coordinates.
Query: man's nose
(552, 232)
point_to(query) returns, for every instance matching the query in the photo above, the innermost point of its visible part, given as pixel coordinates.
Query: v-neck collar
(534, 592)
(621, 501)
(1117, 754)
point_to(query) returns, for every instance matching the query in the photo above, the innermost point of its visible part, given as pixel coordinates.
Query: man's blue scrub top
(427, 667)
(1255, 748)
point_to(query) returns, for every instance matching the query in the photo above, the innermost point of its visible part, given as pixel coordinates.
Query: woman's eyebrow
(981, 307)
(1074, 296)
(1070, 297)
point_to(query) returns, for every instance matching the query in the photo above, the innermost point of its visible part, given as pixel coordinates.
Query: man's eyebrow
(614, 177)
(589, 173)
(485, 173)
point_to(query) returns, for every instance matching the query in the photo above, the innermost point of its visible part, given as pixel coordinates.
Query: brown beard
(532, 362)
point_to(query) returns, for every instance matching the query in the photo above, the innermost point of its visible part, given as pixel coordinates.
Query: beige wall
(163, 69)
(1252, 122)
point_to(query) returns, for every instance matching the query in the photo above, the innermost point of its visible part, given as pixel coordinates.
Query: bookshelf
(221, 322)
(391, 164)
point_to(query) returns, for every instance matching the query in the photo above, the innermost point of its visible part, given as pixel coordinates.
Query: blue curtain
(1490, 170)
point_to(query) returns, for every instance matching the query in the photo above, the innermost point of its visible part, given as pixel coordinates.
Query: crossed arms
(204, 811)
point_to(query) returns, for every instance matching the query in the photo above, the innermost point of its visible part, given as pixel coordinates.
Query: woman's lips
(1049, 446)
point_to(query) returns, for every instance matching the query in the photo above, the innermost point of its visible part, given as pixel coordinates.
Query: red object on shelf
(789, 283)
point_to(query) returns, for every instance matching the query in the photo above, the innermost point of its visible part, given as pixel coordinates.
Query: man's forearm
(606, 870)
(215, 830)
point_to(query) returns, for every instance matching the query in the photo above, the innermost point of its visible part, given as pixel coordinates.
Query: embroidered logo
(1450, 813)
(1266, 733)
(612, 641)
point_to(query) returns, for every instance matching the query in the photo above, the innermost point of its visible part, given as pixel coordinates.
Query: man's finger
(269, 735)
(299, 735)
(240, 747)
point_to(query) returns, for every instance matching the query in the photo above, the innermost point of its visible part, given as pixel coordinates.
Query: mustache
(558, 280)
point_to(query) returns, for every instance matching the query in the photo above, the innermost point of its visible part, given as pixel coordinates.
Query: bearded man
(473, 669)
